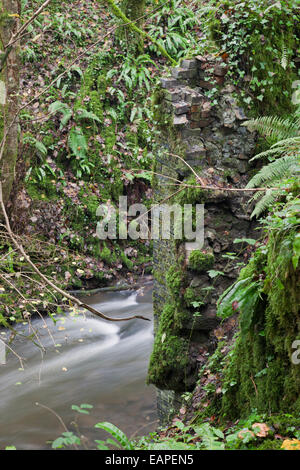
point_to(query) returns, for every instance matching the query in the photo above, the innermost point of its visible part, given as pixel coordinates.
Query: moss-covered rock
(200, 261)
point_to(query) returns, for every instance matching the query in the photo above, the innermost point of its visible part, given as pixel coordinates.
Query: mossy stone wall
(208, 136)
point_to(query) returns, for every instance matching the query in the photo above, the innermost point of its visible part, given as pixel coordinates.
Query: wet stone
(180, 120)
(188, 64)
(201, 123)
(169, 83)
(183, 74)
(239, 113)
(220, 70)
(173, 95)
(195, 151)
(181, 107)
(206, 84)
(193, 97)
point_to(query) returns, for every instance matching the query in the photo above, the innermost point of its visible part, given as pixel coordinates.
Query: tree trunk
(133, 10)
(9, 24)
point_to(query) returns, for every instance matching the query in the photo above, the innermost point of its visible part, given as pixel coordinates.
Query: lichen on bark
(10, 76)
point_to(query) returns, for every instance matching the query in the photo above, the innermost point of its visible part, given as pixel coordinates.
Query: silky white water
(83, 360)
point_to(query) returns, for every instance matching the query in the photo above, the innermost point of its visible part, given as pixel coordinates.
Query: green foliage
(172, 26)
(262, 353)
(275, 127)
(65, 29)
(174, 279)
(242, 297)
(78, 143)
(83, 408)
(67, 439)
(278, 176)
(282, 174)
(116, 433)
(132, 26)
(39, 146)
(134, 72)
(200, 261)
(260, 43)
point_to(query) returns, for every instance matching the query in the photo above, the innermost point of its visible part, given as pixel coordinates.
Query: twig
(203, 186)
(254, 384)
(59, 419)
(215, 188)
(15, 36)
(14, 352)
(50, 283)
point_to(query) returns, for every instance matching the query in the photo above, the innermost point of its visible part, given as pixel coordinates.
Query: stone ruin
(201, 122)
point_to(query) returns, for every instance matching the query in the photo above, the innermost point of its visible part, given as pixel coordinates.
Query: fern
(284, 155)
(290, 145)
(115, 432)
(275, 127)
(265, 202)
(273, 173)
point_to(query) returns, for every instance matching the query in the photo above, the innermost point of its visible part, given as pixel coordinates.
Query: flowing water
(86, 360)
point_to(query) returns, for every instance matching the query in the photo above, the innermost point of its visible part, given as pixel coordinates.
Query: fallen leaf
(291, 444)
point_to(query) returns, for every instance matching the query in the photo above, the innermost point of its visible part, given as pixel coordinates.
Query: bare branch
(65, 294)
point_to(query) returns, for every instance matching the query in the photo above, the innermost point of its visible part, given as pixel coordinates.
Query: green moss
(200, 261)
(169, 363)
(260, 374)
(169, 358)
(105, 254)
(133, 10)
(256, 265)
(192, 295)
(270, 444)
(128, 263)
(191, 195)
(174, 279)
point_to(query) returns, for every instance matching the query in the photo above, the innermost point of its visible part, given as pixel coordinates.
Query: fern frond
(284, 167)
(265, 202)
(288, 143)
(206, 10)
(283, 146)
(275, 127)
(267, 153)
(286, 133)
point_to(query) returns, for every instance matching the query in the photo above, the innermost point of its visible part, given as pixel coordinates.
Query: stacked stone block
(205, 128)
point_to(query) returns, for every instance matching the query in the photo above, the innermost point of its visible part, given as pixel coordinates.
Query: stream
(86, 361)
